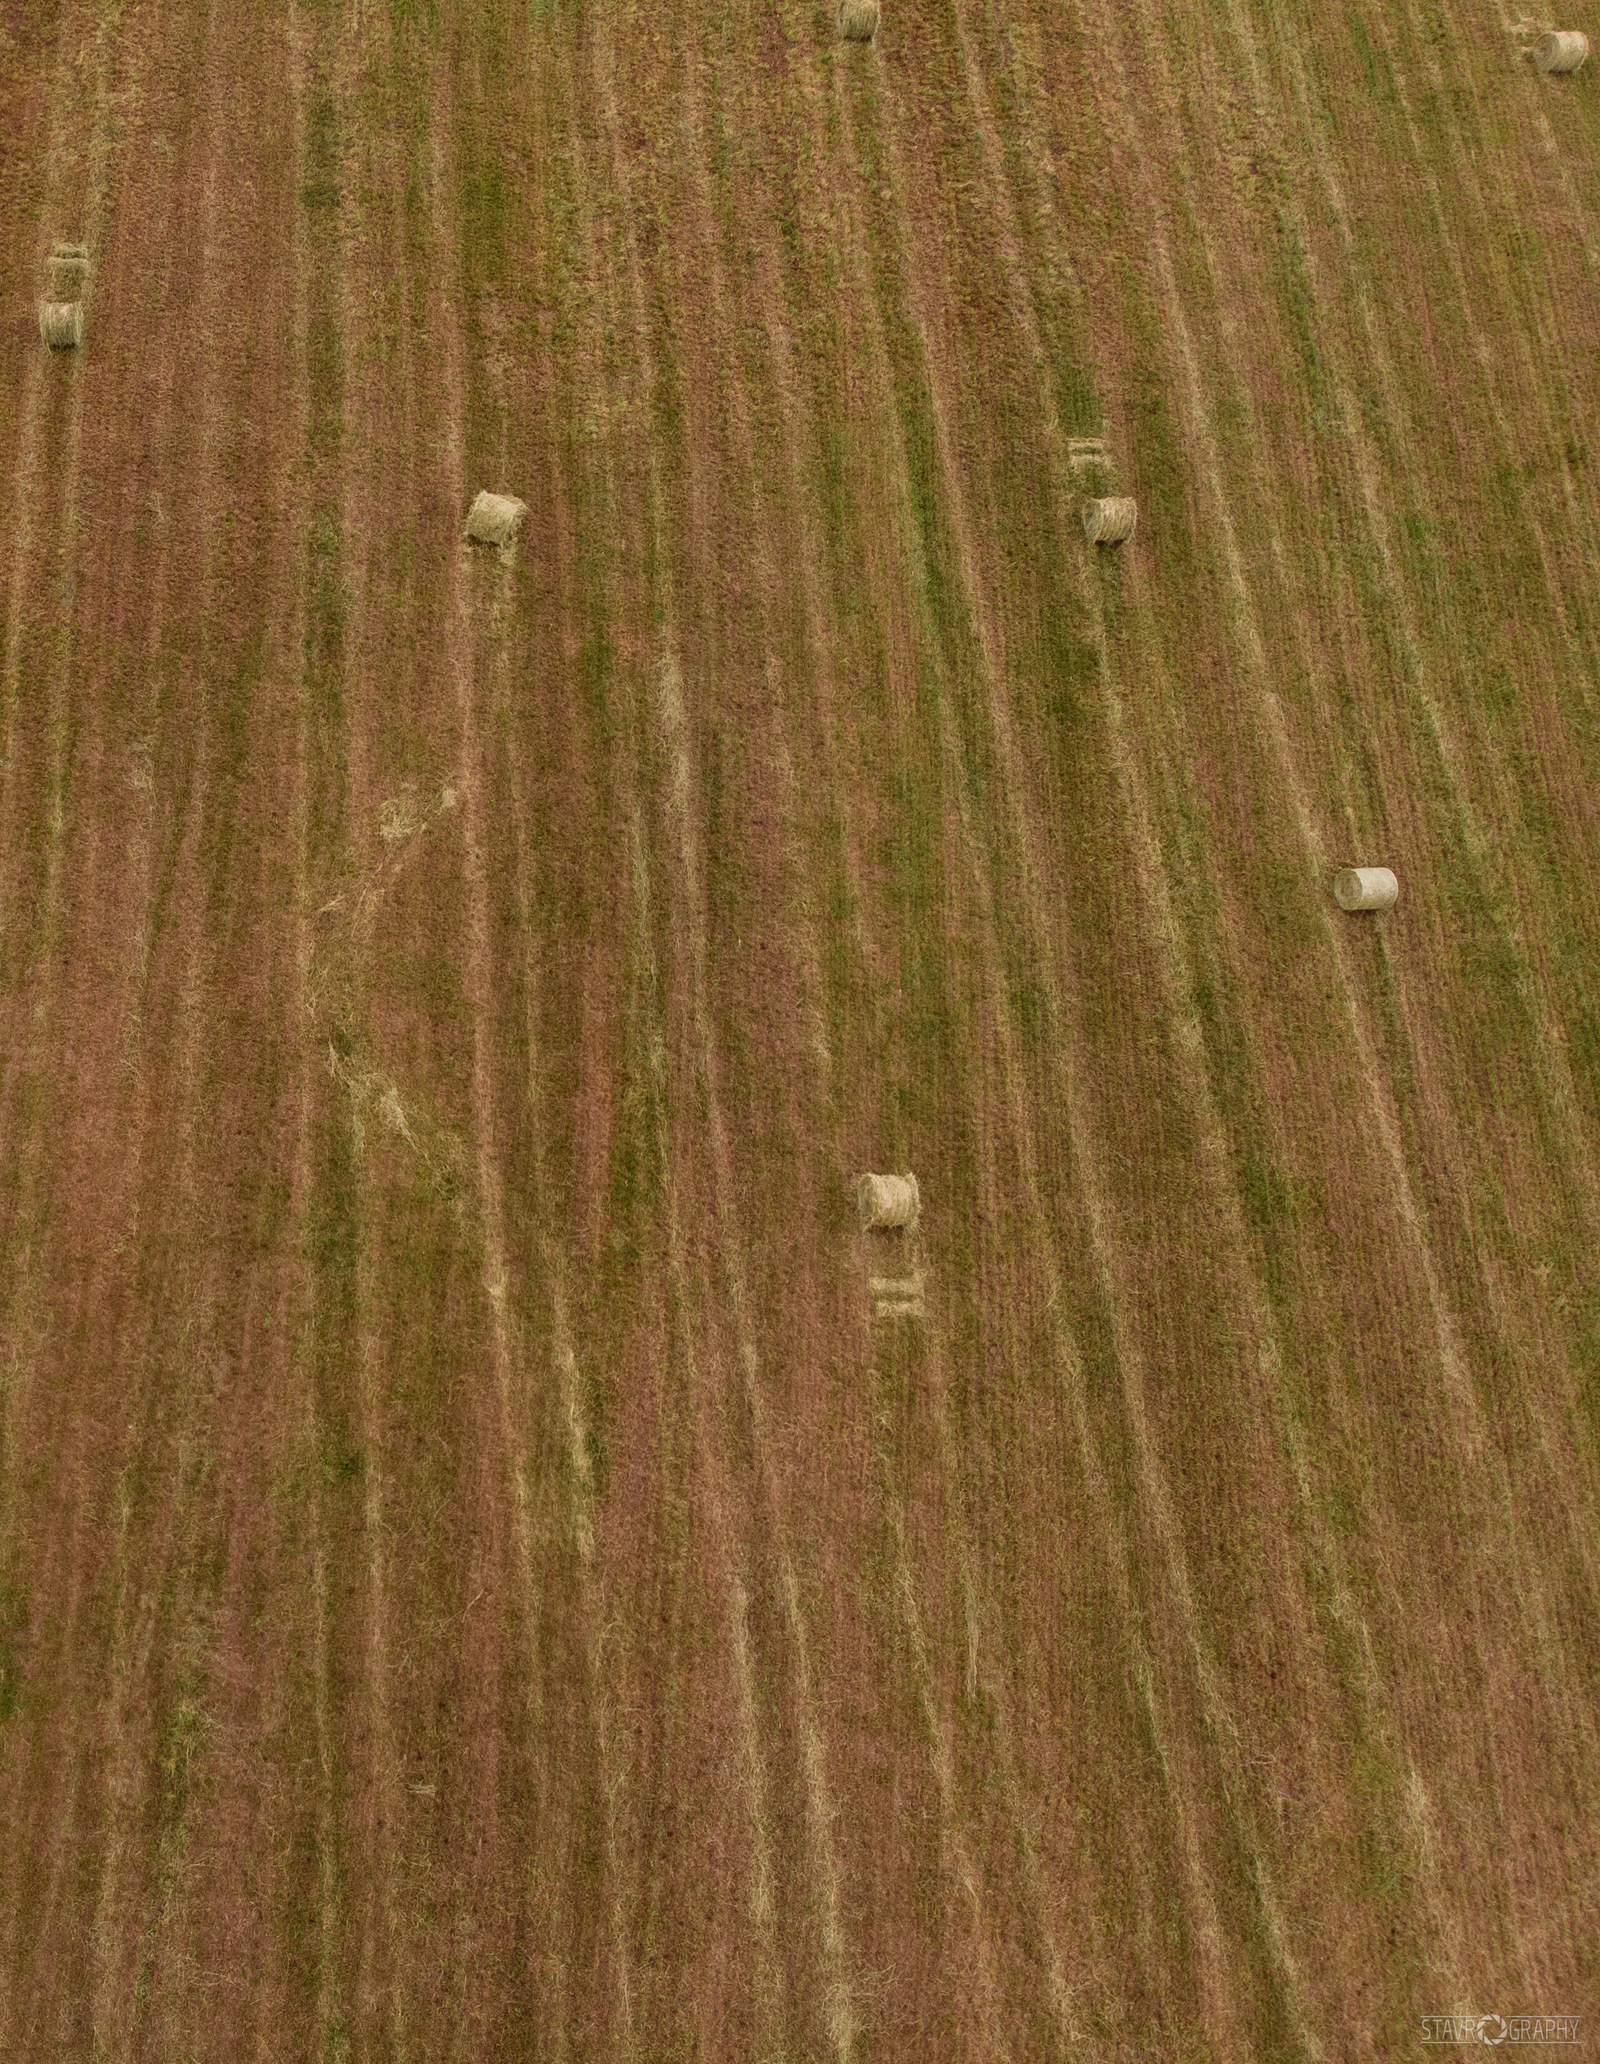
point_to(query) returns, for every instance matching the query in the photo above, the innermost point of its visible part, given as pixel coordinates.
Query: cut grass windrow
(469, 642)
(324, 1172)
(669, 719)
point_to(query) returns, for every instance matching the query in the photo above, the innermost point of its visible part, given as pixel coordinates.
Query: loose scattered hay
(1562, 50)
(1110, 521)
(495, 519)
(895, 1297)
(1087, 451)
(61, 324)
(68, 267)
(858, 20)
(1365, 888)
(887, 1202)
(399, 817)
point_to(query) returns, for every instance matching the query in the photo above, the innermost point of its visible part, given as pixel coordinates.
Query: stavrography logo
(1494, 2029)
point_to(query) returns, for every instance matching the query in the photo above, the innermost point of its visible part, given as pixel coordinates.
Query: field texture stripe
(1549, 1047)
(1223, 1730)
(466, 642)
(1178, 982)
(1470, 1428)
(668, 711)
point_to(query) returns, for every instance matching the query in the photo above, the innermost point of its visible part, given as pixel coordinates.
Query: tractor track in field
(376, 1990)
(501, 1592)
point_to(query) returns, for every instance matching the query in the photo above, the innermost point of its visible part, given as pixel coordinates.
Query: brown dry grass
(475, 1577)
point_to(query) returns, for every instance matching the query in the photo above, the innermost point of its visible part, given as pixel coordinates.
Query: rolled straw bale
(61, 324)
(494, 519)
(1110, 521)
(1563, 50)
(885, 1202)
(858, 20)
(1365, 888)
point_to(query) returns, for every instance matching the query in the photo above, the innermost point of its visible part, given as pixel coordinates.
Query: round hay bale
(858, 20)
(1110, 521)
(61, 324)
(1365, 888)
(885, 1202)
(494, 519)
(1562, 50)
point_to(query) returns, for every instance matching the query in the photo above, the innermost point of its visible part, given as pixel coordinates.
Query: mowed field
(476, 1579)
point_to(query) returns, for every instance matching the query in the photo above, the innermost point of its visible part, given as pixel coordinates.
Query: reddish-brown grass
(476, 1579)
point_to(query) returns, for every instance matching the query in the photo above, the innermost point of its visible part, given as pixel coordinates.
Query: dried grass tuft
(1562, 50)
(61, 324)
(858, 20)
(885, 1202)
(896, 1297)
(399, 817)
(495, 519)
(68, 267)
(1110, 521)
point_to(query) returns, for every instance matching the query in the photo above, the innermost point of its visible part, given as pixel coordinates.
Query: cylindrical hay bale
(1111, 521)
(885, 1202)
(1563, 50)
(1365, 888)
(493, 519)
(858, 20)
(61, 324)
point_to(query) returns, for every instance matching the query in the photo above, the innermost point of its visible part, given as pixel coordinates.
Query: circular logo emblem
(1491, 2029)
